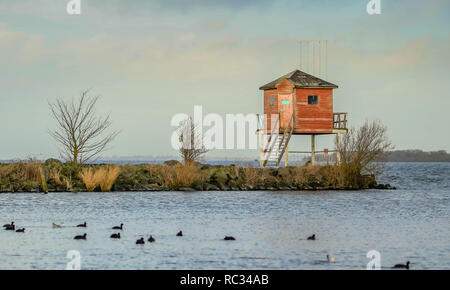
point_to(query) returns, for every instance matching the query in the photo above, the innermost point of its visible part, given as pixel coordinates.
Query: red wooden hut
(297, 104)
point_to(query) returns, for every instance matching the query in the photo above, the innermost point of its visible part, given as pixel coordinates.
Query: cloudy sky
(152, 59)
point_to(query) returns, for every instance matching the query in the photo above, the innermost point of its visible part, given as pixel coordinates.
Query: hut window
(313, 100)
(272, 100)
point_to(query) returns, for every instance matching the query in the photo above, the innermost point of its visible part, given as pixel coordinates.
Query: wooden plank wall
(314, 118)
(268, 109)
(309, 119)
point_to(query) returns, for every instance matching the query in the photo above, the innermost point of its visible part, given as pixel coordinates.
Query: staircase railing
(286, 137)
(270, 142)
(339, 120)
(287, 133)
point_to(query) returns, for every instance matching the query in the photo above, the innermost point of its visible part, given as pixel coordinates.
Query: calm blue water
(411, 223)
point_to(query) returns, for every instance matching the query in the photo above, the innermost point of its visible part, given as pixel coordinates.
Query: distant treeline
(418, 156)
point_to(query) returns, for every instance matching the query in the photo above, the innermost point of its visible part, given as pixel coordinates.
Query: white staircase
(277, 144)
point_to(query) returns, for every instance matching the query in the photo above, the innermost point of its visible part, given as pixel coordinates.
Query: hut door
(286, 109)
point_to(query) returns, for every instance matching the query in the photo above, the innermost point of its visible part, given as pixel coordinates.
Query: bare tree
(80, 133)
(364, 149)
(191, 141)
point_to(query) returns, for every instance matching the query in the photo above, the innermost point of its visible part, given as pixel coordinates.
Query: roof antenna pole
(316, 53)
(309, 58)
(326, 58)
(313, 58)
(301, 55)
(320, 59)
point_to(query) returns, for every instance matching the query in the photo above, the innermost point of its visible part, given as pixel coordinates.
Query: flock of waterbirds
(151, 239)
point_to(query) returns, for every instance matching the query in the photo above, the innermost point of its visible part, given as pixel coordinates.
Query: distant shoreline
(397, 156)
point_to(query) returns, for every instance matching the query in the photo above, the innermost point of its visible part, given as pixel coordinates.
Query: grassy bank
(55, 176)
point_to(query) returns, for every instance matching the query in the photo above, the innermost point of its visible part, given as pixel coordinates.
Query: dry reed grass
(180, 175)
(55, 174)
(87, 175)
(27, 170)
(104, 177)
(68, 182)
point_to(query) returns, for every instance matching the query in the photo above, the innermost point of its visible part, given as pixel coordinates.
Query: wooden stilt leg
(338, 148)
(261, 149)
(286, 160)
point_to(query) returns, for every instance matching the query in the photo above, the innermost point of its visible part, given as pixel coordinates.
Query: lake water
(411, 223)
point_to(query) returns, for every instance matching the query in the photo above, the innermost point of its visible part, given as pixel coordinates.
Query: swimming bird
(180, 234)
(8, 225)
(82, 237)
(402, 266)
(115, 236)
(10, 228)
(331, 260)
(22, 230)
(82, 225)
(140, 241)
(151, 239)
(229, 238)
(55, 226)
(118, 227)
(312, 238)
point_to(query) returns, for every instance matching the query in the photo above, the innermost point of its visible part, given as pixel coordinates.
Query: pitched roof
(300, 80)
